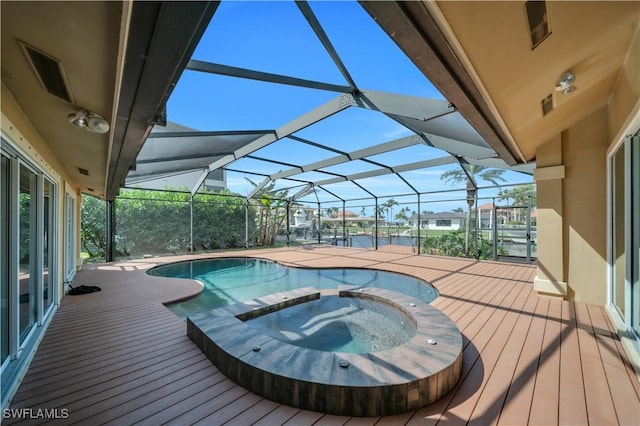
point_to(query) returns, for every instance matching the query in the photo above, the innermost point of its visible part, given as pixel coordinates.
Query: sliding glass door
(27, 246)
(5, 173)
(619, 259)
(625, 231)
(48, 249)
(69, 237)
(634, 252)
(27, 260)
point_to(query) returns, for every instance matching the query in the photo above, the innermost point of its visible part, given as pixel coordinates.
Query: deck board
(517, 404)
(600, 408)
(120, 357)
(544, 406)
(573, 409)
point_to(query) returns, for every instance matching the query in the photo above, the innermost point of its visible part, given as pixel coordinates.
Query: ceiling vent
(547, 105)
(538, 22)
(83, 171)
(49, 72)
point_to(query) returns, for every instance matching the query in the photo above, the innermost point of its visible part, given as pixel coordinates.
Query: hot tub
(376, 382)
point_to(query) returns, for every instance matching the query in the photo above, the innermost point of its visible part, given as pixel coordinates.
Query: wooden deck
(120, 357)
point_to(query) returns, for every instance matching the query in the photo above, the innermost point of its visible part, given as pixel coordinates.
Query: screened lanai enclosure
(305, 123)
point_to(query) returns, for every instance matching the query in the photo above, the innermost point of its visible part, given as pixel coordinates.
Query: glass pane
(635, 227)
(618, 231)
(27, 241)
(4, 259)
(69, 247)
(49, 227)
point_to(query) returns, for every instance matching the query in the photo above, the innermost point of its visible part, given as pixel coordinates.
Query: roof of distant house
(439, 216)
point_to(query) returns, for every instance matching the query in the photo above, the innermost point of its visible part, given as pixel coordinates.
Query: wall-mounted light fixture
(565, 84)
(88, 120)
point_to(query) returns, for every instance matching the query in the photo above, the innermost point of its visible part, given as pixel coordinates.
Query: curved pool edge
(394, 381)
(264, 258)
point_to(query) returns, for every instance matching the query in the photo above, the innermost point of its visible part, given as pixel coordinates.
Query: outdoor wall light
(88, 120)
(565, 84)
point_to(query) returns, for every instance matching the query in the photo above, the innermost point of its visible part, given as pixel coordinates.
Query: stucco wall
(625, 100)
(584, 148)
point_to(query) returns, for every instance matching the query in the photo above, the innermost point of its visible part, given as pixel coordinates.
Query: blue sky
(274, 37)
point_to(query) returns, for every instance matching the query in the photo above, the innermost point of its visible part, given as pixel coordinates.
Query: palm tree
(520, 195)
(388, 205)
(474, 173)
(332, 211)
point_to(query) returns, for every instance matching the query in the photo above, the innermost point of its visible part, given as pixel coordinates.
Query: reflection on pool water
(339, 324)
(231, 280)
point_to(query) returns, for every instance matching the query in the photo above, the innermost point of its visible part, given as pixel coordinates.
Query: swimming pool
(345, 341)
(235, 279)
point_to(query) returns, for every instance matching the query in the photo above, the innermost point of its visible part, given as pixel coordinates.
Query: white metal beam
(302, 192)
(391, 170)
(355, 155)
(460, 148)
(322, 36)
(209, 67)
(407, 106)
(333, 106)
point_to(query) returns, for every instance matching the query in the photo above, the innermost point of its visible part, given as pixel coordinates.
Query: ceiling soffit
(491, 40)
(416, 32)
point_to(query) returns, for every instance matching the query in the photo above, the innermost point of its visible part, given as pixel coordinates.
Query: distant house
(503, 215)
(444, 221)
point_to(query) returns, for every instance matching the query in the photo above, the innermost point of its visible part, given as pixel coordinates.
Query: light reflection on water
(339, 324)
(232, 280)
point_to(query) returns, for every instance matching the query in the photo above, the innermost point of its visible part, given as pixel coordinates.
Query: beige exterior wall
(571, 179)
(549, 173)
(16, 126)
(625, 100)
(584, 148)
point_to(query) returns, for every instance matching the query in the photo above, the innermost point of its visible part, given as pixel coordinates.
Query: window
(27, 273)
(4, 258)
(618, 261)
(48, 261)
(625, 232)
(69, 244)
(27, 261)
(443, 222)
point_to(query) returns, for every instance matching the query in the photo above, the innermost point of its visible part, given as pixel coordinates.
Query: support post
(375, 242)
(318, 224)
(288, 223)
(344, 223)
(494, 225)
(191, 223)
(528, 240)
(246, 225)
(110, 236)
(419, 245)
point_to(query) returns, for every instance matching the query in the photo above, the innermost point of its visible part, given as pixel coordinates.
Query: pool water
(339, 324)
(232, 280)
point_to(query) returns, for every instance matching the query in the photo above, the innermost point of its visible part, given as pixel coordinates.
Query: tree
(458, 210)
(470, 179)
(272, 212)
(158, 222)
(92, 228)
(363, 212)
(520, 195)
(402, 215)
(388, 206)
(332, 211)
